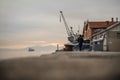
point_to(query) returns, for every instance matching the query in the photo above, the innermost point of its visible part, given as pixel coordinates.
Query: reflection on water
(10, 54)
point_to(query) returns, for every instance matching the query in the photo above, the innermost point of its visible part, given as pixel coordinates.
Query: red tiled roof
(100, 24)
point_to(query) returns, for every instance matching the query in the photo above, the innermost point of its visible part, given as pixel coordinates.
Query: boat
(31, 49)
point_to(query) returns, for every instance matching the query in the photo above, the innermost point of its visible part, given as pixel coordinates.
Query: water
(11, 54)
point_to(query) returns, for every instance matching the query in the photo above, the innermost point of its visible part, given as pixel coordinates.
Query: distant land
(43, 49)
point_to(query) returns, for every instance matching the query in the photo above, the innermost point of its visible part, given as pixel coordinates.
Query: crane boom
(66, 25)
(71, 36)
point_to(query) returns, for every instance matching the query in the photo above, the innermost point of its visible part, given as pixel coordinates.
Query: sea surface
(11, 54)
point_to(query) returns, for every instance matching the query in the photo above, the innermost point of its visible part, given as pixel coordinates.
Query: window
(118, 35)
(95, 37)
(97, 30)
(101, 35)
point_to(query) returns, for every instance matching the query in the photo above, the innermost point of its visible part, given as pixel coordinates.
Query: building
(92, 27)
(107, 39)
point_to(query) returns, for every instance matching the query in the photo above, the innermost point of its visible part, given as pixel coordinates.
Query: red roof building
(92, 27)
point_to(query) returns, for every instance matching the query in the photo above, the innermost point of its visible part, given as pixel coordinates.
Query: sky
(27, 23)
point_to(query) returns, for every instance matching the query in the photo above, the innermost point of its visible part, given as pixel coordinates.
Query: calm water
(10, 54)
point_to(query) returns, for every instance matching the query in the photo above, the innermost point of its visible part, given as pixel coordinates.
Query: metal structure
(71, 36)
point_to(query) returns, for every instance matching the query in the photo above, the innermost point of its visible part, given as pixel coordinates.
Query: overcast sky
(25, 23)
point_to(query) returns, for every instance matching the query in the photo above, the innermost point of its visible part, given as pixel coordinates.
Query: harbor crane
(71, 36)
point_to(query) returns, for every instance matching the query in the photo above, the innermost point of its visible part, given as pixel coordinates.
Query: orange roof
(100, 24)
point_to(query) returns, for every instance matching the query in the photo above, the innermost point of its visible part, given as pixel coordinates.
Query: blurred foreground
(63, 66)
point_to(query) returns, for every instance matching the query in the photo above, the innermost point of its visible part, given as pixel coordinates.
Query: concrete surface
(63, 66)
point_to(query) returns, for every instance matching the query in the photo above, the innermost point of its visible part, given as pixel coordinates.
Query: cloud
(37, 42)
(19, 45)
(44, 43)
(37, 21)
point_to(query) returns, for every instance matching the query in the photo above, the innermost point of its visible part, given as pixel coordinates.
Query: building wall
(88, 32)
(110, 40)
(114, 41)
(85, 34)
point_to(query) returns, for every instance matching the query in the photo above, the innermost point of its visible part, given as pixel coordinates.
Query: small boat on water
(31, 49)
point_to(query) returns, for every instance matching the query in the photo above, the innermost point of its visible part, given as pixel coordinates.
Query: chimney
(117, 19)
(112, 19)
(107, 22)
